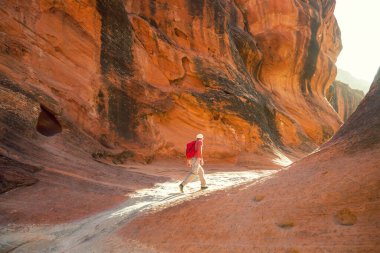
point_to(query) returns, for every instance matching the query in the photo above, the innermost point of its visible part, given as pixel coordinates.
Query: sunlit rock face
(148, 75)
(343, 99)
(325, 202)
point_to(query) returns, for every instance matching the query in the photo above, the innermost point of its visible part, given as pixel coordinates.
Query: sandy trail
(85, 234)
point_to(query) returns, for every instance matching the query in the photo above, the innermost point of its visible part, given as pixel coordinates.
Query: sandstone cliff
(343, 99)
(143, 77)
(133, 81)
(326, 202)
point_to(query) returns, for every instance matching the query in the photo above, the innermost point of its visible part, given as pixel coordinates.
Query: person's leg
(188, 178)
(201, 175)
(195, 164)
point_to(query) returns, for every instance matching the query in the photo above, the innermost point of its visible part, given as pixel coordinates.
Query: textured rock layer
(146, 76)
(15, 174)
(343, 99)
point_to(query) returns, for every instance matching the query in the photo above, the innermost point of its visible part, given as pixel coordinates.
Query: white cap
(199, 136)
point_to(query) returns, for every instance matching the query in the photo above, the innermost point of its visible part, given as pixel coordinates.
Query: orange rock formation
(146, 76)
(134, 81)
(326, 202)
(343, 99)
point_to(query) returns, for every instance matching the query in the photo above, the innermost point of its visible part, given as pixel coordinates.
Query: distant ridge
(355, 83)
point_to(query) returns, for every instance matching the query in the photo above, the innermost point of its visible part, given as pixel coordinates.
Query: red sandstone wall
(343, 99)
(147, 76)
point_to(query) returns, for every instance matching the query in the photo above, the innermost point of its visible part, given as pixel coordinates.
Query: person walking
(196, 164)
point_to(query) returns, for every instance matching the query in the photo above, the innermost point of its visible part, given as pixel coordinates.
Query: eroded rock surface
(133, 81)
(15, 174)
(148, 75)
(343, 99)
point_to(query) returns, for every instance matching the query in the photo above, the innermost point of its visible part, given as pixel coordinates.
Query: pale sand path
(88, 234)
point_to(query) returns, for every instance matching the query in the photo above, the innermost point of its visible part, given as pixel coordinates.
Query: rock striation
(145, 76)
(15, 174)
(343, 99)
(325, 202)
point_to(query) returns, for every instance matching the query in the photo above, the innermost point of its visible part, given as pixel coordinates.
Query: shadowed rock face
(147, 76)
(343, 99)
(326, 202)
(47, 124)
(15, 174)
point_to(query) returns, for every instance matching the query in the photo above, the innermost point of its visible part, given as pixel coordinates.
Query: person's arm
(201, 152)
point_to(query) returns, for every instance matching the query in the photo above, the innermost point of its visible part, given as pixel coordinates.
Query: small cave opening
(47, 123)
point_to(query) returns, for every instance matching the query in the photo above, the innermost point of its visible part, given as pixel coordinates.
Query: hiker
(195, 161)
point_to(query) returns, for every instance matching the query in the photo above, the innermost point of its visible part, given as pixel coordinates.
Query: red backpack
(190, 150)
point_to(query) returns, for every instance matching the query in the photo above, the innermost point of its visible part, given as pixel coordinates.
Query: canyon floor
(97, 233)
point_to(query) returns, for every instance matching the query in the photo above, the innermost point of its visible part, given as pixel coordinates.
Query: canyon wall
(144, 77)
(343, 99)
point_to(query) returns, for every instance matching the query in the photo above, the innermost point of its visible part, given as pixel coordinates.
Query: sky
(359, 22)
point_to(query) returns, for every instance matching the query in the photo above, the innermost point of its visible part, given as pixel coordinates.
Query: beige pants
(196, 169)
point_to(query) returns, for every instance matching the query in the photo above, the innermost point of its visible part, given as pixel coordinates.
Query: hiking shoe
(181, 188)
(204, 187)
